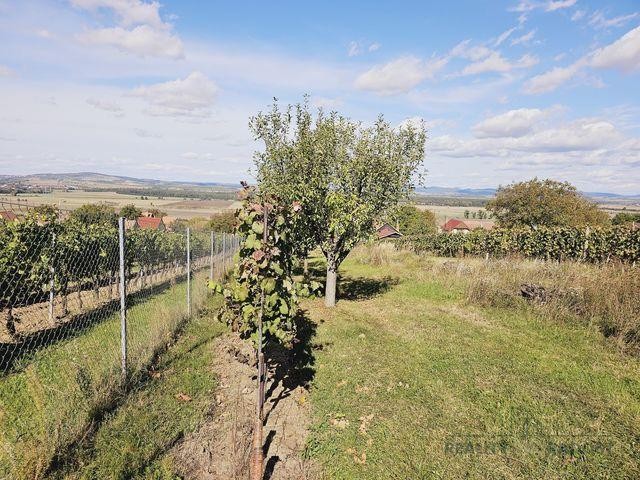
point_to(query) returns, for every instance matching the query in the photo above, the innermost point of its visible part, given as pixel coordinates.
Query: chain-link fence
(84, 310)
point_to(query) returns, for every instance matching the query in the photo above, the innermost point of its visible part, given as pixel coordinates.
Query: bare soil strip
(220, 448)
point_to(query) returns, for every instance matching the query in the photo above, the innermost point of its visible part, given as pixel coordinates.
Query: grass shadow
(349, 288)
(363, 288)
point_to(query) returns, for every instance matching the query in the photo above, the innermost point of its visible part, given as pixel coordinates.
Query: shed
(387, 231)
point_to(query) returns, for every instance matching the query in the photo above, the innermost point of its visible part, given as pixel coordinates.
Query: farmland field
(173, 206)
(445, 212)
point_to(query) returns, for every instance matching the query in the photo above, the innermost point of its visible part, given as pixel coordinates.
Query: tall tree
(130, 211)
(91, 213)
(411, 220)
(343, 174)
(544, 203)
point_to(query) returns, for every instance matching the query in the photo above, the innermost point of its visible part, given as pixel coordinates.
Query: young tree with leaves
(343, 173)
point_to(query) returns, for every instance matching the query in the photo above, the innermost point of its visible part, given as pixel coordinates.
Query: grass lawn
(56, 396)
(131, 442)
(412, 382)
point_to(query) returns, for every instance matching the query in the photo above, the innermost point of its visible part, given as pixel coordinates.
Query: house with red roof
(456, 225)
(387, 231)
(8, 216)
(150, 223)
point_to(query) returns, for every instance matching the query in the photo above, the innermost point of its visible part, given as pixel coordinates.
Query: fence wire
(82, 316)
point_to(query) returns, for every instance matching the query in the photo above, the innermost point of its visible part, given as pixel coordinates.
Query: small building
(456, 225)
(387, 231)
(151, 223)
(8, 216)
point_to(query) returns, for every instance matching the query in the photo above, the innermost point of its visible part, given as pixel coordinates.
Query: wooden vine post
(257, 454)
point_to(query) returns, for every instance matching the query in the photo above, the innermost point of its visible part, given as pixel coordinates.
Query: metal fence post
(213, 243)
(52, 272)
(188, 272)
(224, 253)
(123, 300)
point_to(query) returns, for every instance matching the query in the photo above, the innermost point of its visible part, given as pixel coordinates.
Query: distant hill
(490, 192)
(93, 180)
(99, 180)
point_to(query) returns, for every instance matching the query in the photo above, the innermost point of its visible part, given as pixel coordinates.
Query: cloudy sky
(508, 90)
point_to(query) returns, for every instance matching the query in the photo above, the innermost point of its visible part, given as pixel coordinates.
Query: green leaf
(257, 227)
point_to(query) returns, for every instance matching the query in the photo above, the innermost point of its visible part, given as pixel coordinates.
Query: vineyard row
(589, 244)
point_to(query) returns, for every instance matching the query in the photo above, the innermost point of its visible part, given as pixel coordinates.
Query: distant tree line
(171, 192)
(450, 201)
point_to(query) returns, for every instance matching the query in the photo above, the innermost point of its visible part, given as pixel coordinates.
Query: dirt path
(220, 448)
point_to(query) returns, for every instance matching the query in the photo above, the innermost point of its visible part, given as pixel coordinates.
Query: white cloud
(140, 30)
(578, 15)
(470, 52)
(547, 6)
(191, 97)
(598, 20)
(326, 103)
(524, 39)
(400, 75)
(416, 123)
(142, 41)
(559, 4)
(549, 81)
(495, 62)
(623, 54)
(514, 123)
(581, 139)
(44, 33)
(443, 98)
(503, 36)
(524, 6)
(354, 49)
(130, 12)
(6, 71)
(104, 105)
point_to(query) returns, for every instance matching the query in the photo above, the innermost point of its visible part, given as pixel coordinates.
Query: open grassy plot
(56, 396)
(413, 382)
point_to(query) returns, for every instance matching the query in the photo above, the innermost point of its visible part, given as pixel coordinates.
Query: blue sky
(508, 90)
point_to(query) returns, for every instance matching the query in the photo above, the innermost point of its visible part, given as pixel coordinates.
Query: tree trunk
(305, 267)
(330, 287)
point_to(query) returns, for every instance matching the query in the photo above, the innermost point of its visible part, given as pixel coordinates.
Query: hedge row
(584, 244)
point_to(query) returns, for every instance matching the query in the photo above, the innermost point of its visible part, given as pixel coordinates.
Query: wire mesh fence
(84, 310)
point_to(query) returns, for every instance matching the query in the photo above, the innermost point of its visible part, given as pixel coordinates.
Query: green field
(414, 382)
